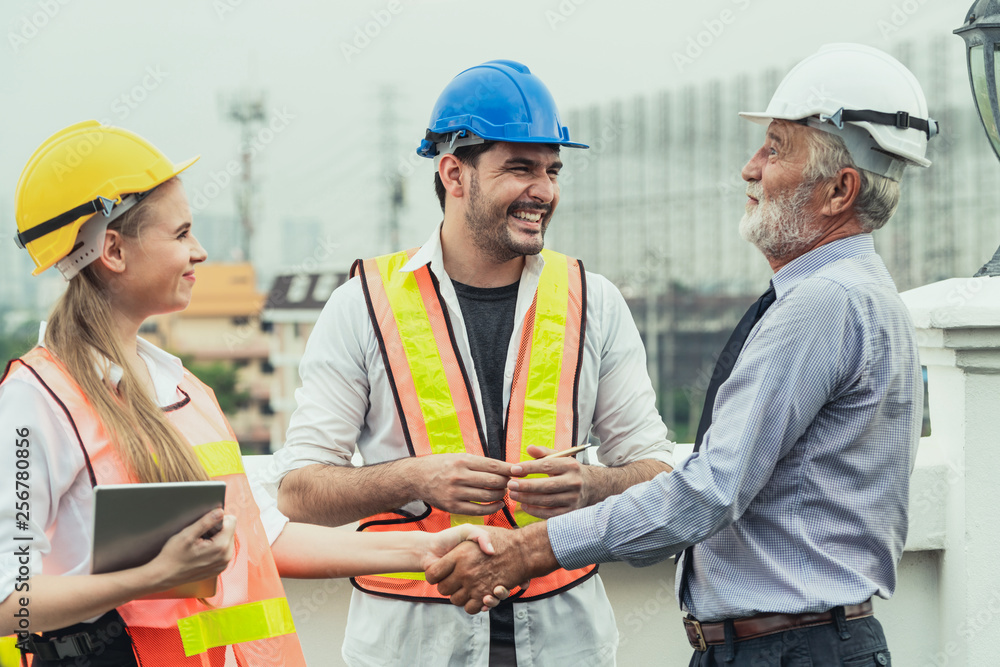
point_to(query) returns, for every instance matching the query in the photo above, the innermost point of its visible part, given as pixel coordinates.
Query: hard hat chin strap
(865, 152)
(90, 238)
(457, 140)
(901, 120)
(100, 204)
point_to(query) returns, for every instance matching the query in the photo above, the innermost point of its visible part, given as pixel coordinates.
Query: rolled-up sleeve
(332, 403)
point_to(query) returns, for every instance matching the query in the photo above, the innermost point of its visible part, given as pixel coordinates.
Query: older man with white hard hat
(792, 512)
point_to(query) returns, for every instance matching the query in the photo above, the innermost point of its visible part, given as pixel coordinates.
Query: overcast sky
(161, 68)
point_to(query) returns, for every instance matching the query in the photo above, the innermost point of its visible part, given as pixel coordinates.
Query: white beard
(781, 227)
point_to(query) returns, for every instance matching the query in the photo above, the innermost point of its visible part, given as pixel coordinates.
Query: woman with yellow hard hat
(95, 404)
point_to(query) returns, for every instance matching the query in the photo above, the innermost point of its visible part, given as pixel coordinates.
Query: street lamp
(981, 32)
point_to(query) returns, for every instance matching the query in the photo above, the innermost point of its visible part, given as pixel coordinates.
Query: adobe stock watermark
(611, 132)
(123, 105)
(80, 148)
(33, 23)
(410, 161)
(325, 248)
(984, 620)
(704, 39)
(899, 16)
(369, 31)
(658, 608)
(224, 7)
(221, 179)
(562, 12)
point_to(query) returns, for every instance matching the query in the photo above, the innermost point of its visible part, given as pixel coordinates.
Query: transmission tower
(395, 196)
(247, 110)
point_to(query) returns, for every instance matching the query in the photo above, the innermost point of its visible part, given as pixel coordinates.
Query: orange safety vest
(436, 405)
(249, 610)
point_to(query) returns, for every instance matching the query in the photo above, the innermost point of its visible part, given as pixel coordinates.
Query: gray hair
(878, 197)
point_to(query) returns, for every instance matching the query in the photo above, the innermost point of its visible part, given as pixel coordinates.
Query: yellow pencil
(566, 452)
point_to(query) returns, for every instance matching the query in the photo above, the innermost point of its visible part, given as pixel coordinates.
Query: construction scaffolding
(655, 206)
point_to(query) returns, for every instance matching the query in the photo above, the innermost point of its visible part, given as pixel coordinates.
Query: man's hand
(468, 576)
(565, 489)
(445, 541)
(439, 544)
(461, 483)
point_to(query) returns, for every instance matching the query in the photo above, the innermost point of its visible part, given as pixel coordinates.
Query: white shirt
(346, 405)
(61, 500)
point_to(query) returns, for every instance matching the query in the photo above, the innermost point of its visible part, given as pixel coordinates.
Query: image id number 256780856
(22, 536)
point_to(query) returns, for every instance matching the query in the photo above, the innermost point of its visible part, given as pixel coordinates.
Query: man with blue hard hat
(452, 368)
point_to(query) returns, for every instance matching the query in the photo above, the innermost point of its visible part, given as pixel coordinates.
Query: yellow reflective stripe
(459, 519)
(522, 518)
(416, 576)
(242, 623)
(545, 365)
(426, 368)
(10, 656)
(220, 458)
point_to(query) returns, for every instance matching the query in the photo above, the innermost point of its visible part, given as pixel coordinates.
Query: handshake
(478, 566)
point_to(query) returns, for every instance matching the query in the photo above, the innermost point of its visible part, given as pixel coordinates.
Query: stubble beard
(781, 227)
(487, 220)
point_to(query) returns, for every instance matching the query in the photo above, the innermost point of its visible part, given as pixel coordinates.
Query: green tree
(222, 377)
(18, 341)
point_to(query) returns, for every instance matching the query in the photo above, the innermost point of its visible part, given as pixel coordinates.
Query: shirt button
(521, 614)
(881, 659)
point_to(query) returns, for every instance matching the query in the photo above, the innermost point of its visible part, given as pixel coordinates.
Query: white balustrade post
(958, 330)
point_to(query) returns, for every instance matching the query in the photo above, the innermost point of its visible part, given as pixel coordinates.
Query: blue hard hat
(500, 100)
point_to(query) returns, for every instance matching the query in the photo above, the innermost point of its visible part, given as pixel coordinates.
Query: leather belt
(703, 635)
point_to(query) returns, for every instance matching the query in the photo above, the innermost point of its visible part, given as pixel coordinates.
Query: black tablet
(132, 522)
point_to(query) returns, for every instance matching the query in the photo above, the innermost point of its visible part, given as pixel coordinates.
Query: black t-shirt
(489, 320)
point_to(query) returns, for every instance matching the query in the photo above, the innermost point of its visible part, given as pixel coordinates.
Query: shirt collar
(806, 265)
(165, 369)
(431, 253)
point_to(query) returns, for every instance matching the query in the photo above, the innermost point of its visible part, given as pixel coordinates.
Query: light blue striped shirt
(798, 497)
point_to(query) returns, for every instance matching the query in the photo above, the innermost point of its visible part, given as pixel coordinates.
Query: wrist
(589, 475)
(534, 548)
(407, 478)
(144, 580)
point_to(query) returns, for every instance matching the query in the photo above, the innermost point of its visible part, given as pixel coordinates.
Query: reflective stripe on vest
(232, 625)
(249, 611)
(435, 401)
(9, 655)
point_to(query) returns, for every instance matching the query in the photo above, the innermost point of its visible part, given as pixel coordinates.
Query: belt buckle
(696, 626)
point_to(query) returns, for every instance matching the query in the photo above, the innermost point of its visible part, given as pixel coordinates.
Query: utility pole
(247, 110)
(395, 193)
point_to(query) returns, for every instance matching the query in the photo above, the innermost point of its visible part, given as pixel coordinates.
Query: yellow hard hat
(84, 169)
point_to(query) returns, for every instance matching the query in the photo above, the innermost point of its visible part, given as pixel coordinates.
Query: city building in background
(220, 335)
(655, 206)
(220, 235)
(294, 303)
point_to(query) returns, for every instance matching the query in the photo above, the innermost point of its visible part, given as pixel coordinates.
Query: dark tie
(723, 368)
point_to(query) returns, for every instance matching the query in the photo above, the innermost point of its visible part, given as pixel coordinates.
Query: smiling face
(781, 216)
(160, 260)
(513, 192)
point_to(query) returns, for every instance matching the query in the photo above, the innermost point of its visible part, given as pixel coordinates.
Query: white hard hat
(864, 96)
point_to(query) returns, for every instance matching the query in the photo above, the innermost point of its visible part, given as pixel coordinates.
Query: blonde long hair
(82, 324)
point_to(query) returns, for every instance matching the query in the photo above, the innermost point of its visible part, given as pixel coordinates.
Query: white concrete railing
(946, 610)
